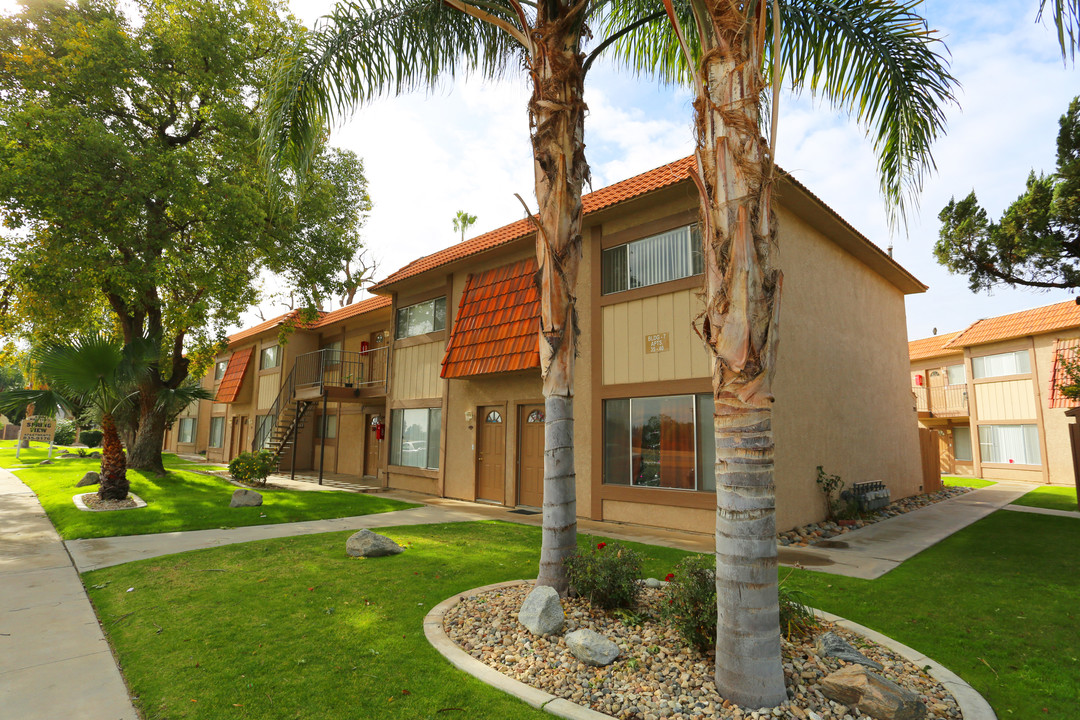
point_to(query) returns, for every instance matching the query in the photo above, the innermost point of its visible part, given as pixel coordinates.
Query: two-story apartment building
(463, 407)
(992, 392)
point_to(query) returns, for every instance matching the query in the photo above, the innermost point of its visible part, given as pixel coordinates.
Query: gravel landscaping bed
(814, 532)
(656, 675)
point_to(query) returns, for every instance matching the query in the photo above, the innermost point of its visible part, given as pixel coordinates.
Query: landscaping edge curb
(972, 704)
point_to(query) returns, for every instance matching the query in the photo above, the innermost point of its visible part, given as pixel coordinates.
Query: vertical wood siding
(416, 371)
(268, 389)
(625, 327)
(1011, 400)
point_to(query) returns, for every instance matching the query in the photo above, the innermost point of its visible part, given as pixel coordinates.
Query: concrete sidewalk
(54, 659)
(874, 550)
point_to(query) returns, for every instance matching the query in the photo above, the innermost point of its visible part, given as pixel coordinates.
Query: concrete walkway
(1043, 511)
(54, 659)
(874, 550)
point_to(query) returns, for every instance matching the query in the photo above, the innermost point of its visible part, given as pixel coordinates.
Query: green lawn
(180, 500)
(29, 456)
(971, 482)
(295, 628)
(1053, 497)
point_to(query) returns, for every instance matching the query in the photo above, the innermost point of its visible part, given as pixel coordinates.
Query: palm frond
(878, 60)
(80, 367)
(1066, 16)
(651, 47)
(368, 49)
(45, 402)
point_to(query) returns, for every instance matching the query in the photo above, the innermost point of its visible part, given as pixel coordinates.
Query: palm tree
(366, 49)
(97, 375)
(878, 60)
(462, 222)
(1066, 16)
(91, 371)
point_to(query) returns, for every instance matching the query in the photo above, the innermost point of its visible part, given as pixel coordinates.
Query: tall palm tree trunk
(114, 482)
(740, 327)
(557, 121)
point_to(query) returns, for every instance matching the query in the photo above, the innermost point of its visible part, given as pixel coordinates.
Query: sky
(466, 147)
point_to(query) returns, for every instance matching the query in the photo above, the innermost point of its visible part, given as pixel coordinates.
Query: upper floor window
(956, 374)
(219, 369)
(1010, 363)
(671, 255)
(332, 353)
(270, 357)
(425, 317)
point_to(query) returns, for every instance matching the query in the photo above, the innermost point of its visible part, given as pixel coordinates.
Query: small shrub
(252, 468)
(65, 432)
(691, 601)
(90, 438)
(831, 485)
(797, 619)
(607, 575)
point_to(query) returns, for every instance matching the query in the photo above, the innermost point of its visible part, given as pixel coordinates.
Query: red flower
(601, 546)
(669, 577)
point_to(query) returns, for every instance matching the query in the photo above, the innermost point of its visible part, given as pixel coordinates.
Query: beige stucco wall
(1055, 423)
(842, 386)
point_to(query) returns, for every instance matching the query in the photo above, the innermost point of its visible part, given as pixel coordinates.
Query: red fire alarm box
(364, 346)
(918, 380)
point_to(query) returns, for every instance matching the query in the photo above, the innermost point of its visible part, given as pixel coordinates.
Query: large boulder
(90, 478)
(871, 694)
(591, 647)
(542, 613)
(245, 498)
(368, 544)
(832, 645)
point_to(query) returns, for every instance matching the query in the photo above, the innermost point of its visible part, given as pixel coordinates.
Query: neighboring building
(991, 391)
(462, 399)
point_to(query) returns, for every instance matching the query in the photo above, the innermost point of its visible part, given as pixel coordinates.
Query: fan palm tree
(1066, 17)
(878, 60)
(94, 374)
(369, 48)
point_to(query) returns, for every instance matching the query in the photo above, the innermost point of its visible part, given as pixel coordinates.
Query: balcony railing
(338, 368)
(946, 401)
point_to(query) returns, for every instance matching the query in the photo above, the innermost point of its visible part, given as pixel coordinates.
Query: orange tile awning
(498, 323)
(1071, 349)
(233, 378)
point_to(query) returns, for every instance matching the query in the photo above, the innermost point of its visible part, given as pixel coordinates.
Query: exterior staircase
(287, 424)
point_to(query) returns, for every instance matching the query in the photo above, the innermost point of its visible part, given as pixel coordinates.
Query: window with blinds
(671, 255)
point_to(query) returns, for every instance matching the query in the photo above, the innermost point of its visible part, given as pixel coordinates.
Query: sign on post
(37, 428)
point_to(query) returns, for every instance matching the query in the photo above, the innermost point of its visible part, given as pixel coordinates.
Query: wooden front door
(531, 455)
(377, 359)
(371, 448)
(239, 436)
(491, 454)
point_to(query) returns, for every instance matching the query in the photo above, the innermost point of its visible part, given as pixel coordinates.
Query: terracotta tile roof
(931, 346)
(1068, 348)
(271, 324)
(646, 182)
(497, 324)
(1036, 321)
(233, 378)
(357, 308)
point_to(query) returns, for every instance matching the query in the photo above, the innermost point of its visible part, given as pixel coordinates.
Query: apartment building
(992, 392)
(461, 406)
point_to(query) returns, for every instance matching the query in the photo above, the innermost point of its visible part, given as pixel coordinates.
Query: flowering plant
(608, 578)
(669, 577)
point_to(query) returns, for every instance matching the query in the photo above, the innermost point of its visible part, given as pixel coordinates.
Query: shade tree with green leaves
(131, 192)
(1036, 242)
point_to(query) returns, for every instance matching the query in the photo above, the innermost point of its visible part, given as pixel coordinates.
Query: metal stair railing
(268, 424)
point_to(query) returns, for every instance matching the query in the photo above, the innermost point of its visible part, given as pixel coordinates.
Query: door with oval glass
(490, 454)
(531, 455)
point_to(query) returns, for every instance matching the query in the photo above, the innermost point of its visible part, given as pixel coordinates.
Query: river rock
(368, 544)
(90, 478)
(542, 612)
(869, 693)
(832, 645)
(591, 647)
(245, 498)
(653, 583)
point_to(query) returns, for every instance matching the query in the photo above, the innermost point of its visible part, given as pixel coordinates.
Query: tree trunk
(740, 326)
(114, 482)
(145, 452)
(557, 121)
